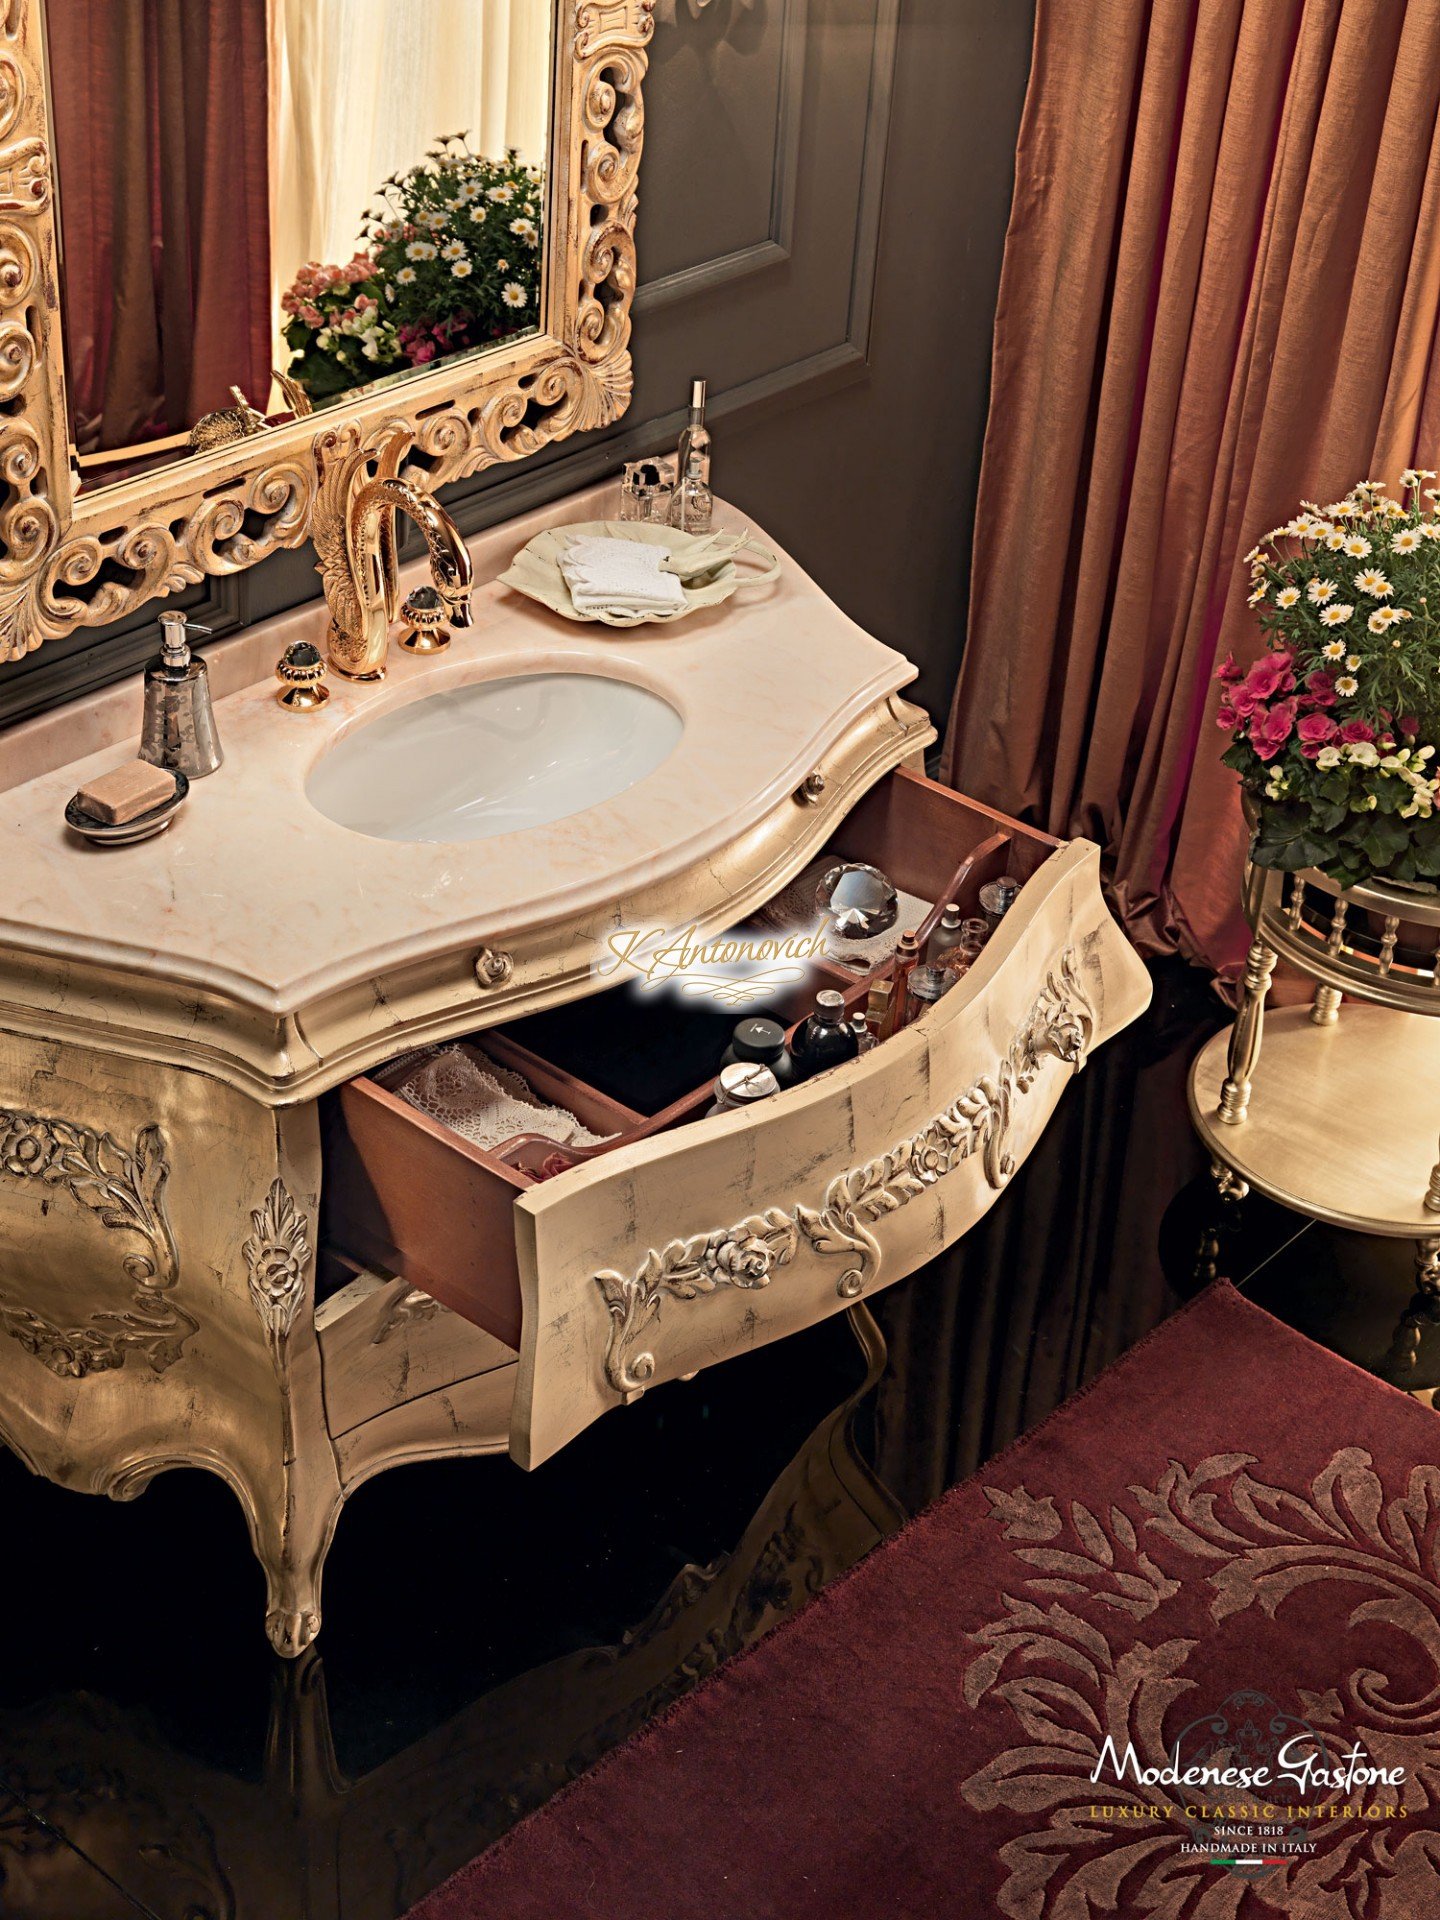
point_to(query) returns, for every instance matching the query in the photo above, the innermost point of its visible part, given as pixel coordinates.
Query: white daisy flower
(1336, 616)
(453, 250)
(1374, 583)
(462, 269)
(1336, 541)
(1287, 596)
(1429, 529)
(1382, 618)
(503, 195)
(1256, 597)
(1352, 661)
(406, 276)
(434, 219)
(1319, 591)
(514, 295)
(420, 250)
(1334, 650)
(1346, 685)
(525, 230)
(1356, 545)
(1406, 541)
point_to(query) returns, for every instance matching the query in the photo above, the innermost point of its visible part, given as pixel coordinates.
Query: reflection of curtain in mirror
(363, 87)
(161, 157)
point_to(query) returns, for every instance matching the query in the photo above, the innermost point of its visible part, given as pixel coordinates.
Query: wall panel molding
(690, 283)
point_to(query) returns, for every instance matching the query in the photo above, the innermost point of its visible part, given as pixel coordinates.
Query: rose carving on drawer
(1060, 1026)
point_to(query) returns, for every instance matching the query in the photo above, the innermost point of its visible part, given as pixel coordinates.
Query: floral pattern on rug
(1099, 1637)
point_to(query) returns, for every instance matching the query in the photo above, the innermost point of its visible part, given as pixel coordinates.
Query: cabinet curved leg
(1245, 1036)
(292, 1509)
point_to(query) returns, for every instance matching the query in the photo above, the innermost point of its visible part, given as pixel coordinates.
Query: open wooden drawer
(695, 1240)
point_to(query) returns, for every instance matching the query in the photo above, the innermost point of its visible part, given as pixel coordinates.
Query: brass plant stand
(1345, 1121)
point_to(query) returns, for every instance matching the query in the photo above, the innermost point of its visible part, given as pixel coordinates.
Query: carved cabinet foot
(291, 1630)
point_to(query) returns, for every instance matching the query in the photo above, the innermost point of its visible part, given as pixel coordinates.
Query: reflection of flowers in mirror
(449, 260)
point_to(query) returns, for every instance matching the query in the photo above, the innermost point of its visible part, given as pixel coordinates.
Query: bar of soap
(127, 792)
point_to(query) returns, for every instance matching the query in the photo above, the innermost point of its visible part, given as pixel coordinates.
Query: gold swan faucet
(353, 528)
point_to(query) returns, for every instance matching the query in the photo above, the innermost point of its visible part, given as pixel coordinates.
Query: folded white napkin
(619, 577)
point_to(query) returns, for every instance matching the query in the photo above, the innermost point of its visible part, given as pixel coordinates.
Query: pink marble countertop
(256, 894)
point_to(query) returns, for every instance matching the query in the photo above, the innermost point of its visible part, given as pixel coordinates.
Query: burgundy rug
(1224, 1555)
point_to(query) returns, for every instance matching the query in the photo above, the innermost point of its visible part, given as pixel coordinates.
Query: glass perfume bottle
(925, 986)
(907, 956)
(996, 899)
(826, 1039)
(692, 505)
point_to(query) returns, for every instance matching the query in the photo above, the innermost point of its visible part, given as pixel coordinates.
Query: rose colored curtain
(162, 150)
(1219, 298)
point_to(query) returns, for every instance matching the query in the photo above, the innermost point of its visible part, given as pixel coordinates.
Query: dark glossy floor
(488, 1634)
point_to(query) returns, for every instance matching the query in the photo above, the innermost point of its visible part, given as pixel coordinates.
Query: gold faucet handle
(425, 615)
(301, 670)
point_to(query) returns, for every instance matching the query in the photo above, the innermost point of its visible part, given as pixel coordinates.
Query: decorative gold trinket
(228, 424)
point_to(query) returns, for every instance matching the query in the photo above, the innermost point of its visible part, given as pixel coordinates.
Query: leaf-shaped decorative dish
(709, 566)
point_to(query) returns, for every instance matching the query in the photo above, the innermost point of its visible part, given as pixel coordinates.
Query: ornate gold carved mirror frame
(72, 557)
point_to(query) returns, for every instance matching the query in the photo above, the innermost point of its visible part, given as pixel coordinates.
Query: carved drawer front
(679, 1251)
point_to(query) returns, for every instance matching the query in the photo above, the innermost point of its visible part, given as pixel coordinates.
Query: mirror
(185, 117)
(273, 206)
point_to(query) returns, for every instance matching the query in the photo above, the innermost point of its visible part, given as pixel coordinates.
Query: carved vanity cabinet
(162, 1223)
(223, 1241)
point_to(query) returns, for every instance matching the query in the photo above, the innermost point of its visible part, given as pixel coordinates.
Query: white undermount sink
(494, 757)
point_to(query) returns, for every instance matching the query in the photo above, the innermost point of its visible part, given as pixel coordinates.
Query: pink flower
(1354, 731)
(312, 315)
(1410, 724)
(1315, 731)
(1243, 699)
(1270, 675)
(1270, 730)
(1320, 688)
(1227, 717)
(1229, 670)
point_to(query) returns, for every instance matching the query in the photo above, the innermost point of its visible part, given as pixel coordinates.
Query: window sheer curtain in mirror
(361, 88)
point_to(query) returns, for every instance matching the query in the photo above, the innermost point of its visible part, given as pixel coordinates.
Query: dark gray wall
(824, 197)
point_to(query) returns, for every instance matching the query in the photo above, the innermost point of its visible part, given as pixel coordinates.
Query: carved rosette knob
(493, 967)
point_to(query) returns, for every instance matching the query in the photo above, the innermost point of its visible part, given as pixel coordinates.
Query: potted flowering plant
(449, 259)
(1335, 727)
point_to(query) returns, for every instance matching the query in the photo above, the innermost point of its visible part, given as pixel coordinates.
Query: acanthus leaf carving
(1059, 1026)
(126, 1193)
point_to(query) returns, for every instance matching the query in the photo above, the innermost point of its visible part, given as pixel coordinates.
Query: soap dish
(121, 833)
(707, 565)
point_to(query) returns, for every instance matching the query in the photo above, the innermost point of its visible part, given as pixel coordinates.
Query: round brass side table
(1344, 1122)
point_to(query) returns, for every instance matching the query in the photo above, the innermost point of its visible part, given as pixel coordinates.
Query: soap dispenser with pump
(178, 730)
